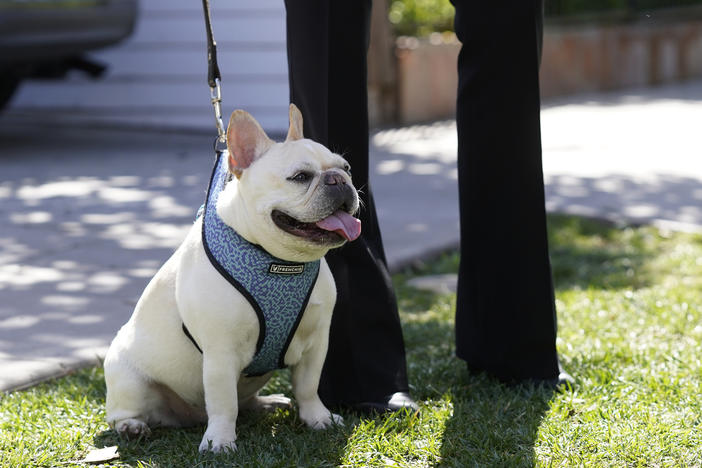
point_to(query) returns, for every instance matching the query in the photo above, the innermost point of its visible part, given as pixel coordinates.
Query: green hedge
(422, 17)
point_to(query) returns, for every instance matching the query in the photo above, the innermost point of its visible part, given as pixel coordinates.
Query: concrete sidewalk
(88, 215)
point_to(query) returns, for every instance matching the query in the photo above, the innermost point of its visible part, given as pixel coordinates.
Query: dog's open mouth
(334, 228)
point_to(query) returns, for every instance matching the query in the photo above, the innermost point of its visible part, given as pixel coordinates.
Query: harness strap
(277, 290)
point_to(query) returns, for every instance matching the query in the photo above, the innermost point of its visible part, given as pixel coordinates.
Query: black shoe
(395, 402)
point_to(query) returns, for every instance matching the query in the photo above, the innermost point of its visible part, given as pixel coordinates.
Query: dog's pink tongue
(342, 223)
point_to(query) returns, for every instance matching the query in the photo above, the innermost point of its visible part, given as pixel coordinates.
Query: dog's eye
(301, 176)
(347, 168)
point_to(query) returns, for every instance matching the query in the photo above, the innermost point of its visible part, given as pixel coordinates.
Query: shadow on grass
(590, 253)
(585, 253)
(265, 440)
(493, 425)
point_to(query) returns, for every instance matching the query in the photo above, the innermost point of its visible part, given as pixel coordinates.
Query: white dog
(202, 340)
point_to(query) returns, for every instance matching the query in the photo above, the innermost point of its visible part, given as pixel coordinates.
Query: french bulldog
(184, 357)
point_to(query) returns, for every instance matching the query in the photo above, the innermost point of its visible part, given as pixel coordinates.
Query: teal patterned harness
(278, 290)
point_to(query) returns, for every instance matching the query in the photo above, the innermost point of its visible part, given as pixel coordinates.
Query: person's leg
(327, 45)
(505, 311)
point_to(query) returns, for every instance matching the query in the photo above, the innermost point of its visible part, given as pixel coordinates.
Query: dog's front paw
(132, 428)
(218, 440)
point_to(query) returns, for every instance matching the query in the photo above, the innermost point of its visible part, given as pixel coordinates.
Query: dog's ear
(246, 141)
(295, 129)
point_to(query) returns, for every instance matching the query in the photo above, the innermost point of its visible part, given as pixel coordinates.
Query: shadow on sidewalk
(88, 218)
(664, 199)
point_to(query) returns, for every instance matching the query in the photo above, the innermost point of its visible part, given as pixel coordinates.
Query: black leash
(213, 80)
(213, 76)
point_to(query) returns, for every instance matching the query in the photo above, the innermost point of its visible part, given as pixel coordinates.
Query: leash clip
(216, 99)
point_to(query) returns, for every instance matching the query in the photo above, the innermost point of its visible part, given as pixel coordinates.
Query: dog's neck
(233, 211)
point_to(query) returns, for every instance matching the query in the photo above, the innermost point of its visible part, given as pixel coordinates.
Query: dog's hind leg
(134, 404)
(128, 397)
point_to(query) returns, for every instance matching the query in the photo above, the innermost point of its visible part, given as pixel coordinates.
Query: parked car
(46, 38)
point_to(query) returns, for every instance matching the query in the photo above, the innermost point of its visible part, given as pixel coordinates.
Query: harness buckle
(216, 99)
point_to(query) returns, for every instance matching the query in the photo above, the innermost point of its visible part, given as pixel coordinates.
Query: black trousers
(327, 45)
(505, 311)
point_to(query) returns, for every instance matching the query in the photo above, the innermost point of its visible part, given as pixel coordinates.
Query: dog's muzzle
(337, 193)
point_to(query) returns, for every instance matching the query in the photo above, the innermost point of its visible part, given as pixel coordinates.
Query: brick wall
(578, 57)
(595, 58)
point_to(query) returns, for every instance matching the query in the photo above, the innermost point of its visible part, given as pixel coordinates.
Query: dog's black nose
(339, 194)
(333, 178)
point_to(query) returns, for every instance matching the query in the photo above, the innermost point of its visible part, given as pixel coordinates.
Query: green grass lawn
(630, 327)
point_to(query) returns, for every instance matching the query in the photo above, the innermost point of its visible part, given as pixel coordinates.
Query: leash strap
(213, 76)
